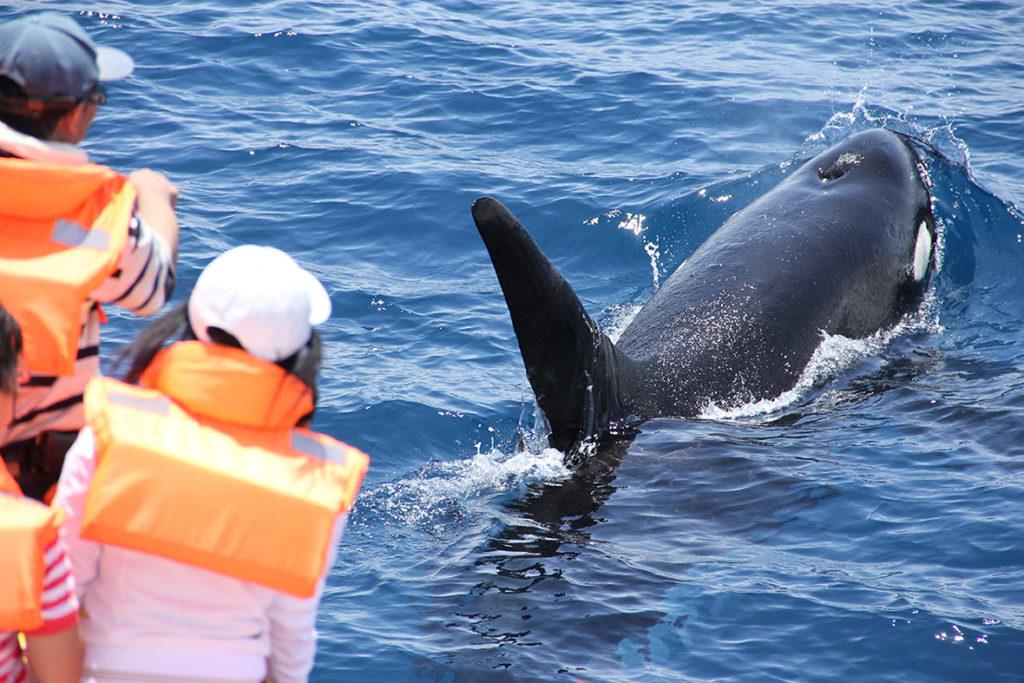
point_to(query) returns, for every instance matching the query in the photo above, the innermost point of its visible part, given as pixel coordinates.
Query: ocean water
(866, 526)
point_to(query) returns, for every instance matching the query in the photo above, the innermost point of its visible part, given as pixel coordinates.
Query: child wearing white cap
(50, 75)
(202, 513)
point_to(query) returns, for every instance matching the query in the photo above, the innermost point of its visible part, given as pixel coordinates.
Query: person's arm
(57, 657)
(145, 277)
(54, 651)
(157, 197)
(293, 624)
(72, 489)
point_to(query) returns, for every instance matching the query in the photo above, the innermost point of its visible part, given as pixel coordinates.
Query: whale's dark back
(843, 246)
(830, 249)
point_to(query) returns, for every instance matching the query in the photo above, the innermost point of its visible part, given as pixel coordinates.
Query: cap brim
(319, 299)
(113, 64)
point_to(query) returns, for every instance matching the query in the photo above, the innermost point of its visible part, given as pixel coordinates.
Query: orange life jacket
(218, 477)
(62, 232)
(27, 528)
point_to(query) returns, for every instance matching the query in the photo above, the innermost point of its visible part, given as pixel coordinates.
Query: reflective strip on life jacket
(62, 232)
(27, 528)
(258, 505)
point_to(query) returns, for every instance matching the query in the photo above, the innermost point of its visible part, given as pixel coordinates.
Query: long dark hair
(175, 326)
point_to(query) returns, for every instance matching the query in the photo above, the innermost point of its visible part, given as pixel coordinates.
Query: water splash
(635, 223)
(619, 318)
(441, 492)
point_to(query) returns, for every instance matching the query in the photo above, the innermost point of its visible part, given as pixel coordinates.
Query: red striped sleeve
(12, 669)
(59, 604)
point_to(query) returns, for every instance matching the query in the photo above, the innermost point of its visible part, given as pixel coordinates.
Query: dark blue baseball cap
(51, 57)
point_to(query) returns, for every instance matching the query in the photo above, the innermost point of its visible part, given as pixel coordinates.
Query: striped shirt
(142, 284)
(59, 608)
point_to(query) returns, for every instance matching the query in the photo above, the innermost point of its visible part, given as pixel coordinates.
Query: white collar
(34, 149)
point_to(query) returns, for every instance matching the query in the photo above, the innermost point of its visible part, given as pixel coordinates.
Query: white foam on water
(443, 489)
(620, 318)
(835, 355)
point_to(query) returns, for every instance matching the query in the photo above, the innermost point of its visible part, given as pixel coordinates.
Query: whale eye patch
(839, 167)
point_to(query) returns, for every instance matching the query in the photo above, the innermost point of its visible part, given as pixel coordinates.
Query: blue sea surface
(867, 526)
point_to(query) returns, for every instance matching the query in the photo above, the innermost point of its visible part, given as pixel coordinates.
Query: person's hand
(156, 201)
(153, 183)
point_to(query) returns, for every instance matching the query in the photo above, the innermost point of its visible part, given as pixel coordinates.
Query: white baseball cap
(262, 297)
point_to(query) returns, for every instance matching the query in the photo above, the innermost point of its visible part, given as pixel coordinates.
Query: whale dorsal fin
(575, 370)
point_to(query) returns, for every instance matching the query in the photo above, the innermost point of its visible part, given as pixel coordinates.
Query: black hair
(175, 326)
(15, 113)
(10, 349)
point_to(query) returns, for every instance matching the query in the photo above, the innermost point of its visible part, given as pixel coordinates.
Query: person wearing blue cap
(73, 234)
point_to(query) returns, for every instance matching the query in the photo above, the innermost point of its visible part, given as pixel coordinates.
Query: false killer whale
(844, 245)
